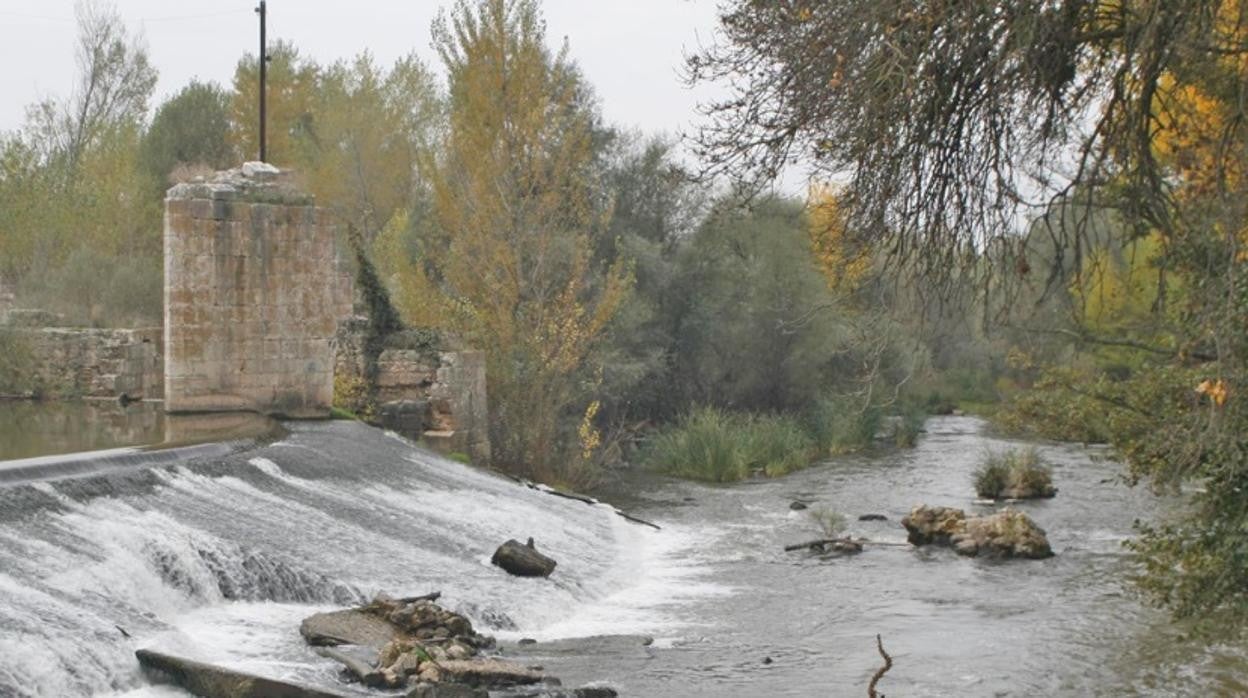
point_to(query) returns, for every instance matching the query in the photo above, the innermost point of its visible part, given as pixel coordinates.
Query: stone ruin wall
(436, 397)
(254, 290)
(89, 362)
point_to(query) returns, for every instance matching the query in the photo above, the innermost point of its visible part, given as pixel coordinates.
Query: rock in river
(523, 560)
(1007, 533)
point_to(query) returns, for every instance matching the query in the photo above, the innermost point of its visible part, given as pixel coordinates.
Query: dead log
(825, 545)
(367, 675)
(431, 596)
(523, 560)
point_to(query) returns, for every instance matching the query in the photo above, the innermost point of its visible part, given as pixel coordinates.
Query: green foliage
(784, 344)
(336, 412)
(191, 128)
(706, 444)
(839, 425)
(776, 444)
(1006, 473)
(352, 396)
(17, 365)
(830, 522)
(508, 265)
(908, 428)
(719, 446)
(93, 288)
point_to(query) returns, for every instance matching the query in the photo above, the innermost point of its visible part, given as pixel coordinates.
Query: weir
(218, 555)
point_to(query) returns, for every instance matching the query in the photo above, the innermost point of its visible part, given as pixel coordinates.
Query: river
(219, 557)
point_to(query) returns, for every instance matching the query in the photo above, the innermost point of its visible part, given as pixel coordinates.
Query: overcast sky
(630, 49)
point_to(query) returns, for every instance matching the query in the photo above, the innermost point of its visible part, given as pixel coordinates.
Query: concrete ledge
(211, 681)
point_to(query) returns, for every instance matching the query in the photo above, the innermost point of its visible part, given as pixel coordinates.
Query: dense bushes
(1013, 474)
(721, 446)
(718, 446)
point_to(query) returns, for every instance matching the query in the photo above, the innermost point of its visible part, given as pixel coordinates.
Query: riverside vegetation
(618, 298)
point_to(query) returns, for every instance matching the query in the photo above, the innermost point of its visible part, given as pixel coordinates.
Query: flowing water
(220, 555)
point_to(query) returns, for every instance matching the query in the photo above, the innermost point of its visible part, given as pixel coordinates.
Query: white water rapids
(219, 559)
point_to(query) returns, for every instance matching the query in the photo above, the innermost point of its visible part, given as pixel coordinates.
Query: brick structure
(254, 290)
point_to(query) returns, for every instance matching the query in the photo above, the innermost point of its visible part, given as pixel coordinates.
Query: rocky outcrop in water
(414, 643)
(1007, 533)
(523, 560)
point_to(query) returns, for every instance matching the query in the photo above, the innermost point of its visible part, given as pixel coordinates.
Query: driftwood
(879, 674)
(584, 499)
(824, 545)
(431, 596)
(367, 675)
(838, 543)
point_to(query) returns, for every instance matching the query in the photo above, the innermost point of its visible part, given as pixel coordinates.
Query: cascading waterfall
(220, 557)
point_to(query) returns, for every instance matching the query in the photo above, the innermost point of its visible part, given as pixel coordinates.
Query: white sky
(631, 50)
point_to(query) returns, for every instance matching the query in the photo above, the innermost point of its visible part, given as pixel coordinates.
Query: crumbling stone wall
(88, 362)
(433, 396)
(254, 290)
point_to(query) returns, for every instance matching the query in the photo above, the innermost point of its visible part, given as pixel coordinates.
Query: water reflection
(30, 429)
(39, 428)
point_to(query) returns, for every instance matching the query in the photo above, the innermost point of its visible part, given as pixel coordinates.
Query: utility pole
(264, 61)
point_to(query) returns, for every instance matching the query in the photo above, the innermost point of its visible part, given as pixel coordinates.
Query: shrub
(831, 524)
(776, 444)
(719, 446)
(705, 445)
(1015, 473)
(838, 425)
(906, 431)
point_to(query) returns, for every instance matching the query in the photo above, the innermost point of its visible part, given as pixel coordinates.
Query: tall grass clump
(1013, 474)
(705, 444)
(838, 425)
(776, 444)
(830, 522)
(719, 446)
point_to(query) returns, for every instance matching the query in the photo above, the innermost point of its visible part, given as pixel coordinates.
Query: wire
(44, 17)
(179, 18)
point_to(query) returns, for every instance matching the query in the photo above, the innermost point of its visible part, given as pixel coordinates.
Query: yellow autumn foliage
(844, 263)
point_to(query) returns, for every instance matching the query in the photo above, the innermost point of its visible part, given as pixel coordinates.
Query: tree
(191, 128)
(360, 149)
(290, 103)
(115, 80)
(514, 202)
(954, 122)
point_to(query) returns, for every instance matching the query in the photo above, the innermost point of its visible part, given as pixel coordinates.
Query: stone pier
(254, 290)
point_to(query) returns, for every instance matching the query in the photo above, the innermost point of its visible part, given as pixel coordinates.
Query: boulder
(1007, 533)
(487, 672)
(348, 627)
(797, 506)
(523, 560)
(873, 517)
(211, 681)
(936, 525)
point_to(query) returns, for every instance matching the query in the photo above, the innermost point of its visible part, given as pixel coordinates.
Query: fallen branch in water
(823, 545)
(888, 664)
(841, 544)
(581, 498)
